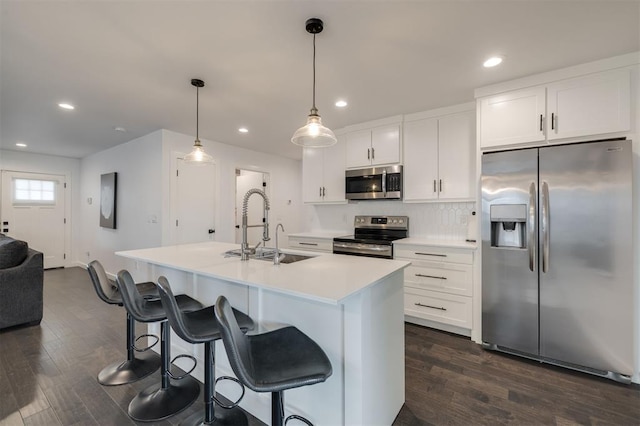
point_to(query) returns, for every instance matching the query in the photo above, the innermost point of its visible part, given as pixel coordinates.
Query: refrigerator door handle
(545, 227)
(532, 227)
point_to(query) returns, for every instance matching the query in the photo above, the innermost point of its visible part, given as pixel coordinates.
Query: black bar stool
(202, 327)
(134, 368)
(158, 401)
(272, 362)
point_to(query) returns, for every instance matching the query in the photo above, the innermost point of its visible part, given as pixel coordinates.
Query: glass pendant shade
(314, 134)
(197, 156)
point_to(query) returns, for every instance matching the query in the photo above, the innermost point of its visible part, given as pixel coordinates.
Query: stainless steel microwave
(374, 183)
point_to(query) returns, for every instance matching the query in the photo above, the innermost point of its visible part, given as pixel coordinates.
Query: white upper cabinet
(323, 174)
(376, 146)
(439, 157)
(512, 118)
(594, 104)
(589, 105)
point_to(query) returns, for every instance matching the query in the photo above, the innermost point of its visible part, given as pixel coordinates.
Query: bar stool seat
(158, 401)
(202, 327)
(134, 368)
(272, 362)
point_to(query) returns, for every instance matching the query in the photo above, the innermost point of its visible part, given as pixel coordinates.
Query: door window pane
(34, 191)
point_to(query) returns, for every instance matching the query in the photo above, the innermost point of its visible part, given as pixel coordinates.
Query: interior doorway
(193, 194)
(33, 210)
(246, 180)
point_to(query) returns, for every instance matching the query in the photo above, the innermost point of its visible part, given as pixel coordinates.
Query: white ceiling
(129, 63)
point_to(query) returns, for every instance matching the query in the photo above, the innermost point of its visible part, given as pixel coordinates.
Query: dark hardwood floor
(47, 374)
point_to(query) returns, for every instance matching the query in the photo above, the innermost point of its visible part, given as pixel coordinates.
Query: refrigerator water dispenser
(508, 225)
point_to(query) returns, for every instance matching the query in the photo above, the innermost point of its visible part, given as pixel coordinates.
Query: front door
(33, 210)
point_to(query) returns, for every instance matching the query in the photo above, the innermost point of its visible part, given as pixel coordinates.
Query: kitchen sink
(267, 254)
(286, 258)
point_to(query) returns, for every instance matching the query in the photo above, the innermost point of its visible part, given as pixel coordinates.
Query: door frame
(68, 225)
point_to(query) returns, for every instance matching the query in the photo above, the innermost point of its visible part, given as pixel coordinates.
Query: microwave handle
(384, 183)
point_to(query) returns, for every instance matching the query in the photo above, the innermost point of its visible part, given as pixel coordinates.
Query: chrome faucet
(276, 256)
(245, 251)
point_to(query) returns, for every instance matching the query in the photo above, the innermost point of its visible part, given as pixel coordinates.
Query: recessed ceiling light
(341, 103)
(120, 129)
(66, 106)
(492, 62)
(243, 130)
(21, 145)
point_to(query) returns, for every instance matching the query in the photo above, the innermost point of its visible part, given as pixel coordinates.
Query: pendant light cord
(197, 111)
(314, 110)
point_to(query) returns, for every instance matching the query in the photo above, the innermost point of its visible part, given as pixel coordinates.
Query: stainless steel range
(373, 236)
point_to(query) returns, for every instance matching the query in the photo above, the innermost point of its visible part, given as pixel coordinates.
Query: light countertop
(437, 243)
(327, 278)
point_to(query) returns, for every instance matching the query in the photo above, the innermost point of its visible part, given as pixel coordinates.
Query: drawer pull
(430, 254)
(430, 276)
(440, 308)
(308, 244)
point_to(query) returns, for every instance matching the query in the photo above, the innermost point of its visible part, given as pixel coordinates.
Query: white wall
(284, 176)
(51, 164)
(139, 196)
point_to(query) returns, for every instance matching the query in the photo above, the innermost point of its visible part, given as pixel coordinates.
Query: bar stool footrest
(135, 348)
(296, 417)
(195, 364)
(233, 404)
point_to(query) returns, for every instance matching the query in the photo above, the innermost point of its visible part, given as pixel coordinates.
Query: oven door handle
(360, 246)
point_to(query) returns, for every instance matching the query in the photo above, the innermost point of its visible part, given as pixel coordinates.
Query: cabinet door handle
(431, 276)
(320, 191)
(553, 117)
(430, 254)
(440, 185)
(440, 308)
(373, 153)
(308, 244)
(323, 191)
(368, 153)
(540, 122)
(435, 189)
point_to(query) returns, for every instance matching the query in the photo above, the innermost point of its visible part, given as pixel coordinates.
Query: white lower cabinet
(311, 243)
(438, 286)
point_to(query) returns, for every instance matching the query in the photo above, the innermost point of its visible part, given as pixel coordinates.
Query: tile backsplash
(445, 221)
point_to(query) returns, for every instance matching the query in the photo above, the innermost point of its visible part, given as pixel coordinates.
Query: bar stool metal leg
(134, 368)
(226, 416)
(159, 402)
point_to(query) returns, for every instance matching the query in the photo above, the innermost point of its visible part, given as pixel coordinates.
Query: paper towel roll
(472, 228)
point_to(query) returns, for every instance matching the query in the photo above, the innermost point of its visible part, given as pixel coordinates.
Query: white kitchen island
(351, 306)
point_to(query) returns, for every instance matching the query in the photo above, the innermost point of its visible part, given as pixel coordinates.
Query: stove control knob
(401, 220)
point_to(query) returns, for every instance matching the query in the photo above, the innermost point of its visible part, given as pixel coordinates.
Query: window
(34, 191)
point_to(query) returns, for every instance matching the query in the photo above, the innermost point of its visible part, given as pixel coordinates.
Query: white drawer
(441, 307)
(451, 278)
(436, 254)
(309, 243)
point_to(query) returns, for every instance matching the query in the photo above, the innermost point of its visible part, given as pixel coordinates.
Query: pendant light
(197, 156)
(314, 134)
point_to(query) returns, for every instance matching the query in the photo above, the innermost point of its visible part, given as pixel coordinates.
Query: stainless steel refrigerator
(557, 253)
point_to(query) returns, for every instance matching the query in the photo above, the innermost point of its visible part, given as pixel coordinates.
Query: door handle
(540, 122)
(368, 153)
(373, 153)
(323, 191)
(545, 227)
(212, 231)
(532, 227)
(440, 308)
(435, 189)
(553, 117)
(440, 185)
